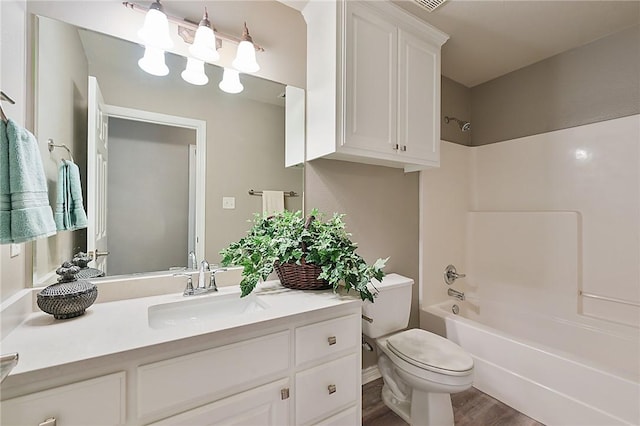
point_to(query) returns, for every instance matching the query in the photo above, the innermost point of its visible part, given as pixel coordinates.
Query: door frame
(200, 127)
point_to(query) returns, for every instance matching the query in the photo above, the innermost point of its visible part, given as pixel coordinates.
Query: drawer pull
(332, 389)
(332, 340)
(49, 422)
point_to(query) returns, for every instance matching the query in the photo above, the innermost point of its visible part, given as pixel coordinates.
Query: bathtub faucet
(455, 293)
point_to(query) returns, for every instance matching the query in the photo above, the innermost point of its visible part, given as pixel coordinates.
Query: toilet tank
(391, 308)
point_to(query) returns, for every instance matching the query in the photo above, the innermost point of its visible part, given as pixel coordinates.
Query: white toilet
(420, 369)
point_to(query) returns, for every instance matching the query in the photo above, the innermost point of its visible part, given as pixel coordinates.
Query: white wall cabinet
(306, 370)
(373, 85)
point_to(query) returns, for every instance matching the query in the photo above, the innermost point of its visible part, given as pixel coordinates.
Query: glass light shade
(245, 60)
(231, 81)
(153, 61)
(194, 72)
(204, 45)
(155, 31)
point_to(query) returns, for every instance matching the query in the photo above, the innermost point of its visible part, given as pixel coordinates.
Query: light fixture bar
(191, 27)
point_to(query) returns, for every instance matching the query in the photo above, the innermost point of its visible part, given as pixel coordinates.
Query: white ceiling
(493, 38)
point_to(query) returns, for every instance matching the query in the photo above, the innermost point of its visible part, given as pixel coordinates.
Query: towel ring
(51, 146)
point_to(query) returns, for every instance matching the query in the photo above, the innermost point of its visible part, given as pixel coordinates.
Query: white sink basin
(195, 310)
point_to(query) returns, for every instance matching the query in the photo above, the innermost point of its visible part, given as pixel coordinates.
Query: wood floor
(470, 408)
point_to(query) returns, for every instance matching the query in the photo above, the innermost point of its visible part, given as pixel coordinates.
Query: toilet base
(425, 408)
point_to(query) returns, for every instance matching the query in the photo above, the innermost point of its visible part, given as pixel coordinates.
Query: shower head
(465, 126)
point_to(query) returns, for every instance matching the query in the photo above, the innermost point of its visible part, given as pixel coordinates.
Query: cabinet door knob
(332, 340)
(403, 148)
(51, 421)
(396, 146)
(332, 389)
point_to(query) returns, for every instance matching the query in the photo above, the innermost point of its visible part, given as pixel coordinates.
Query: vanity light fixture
(204, 45)
(204, 40)
(246, 54)
(155, 31)
(194, 72)
(153, 61)
(231, 81)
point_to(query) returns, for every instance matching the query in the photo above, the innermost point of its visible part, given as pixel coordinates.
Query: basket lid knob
(67, 272)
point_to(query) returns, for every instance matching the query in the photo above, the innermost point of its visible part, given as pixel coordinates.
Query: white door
(97, 177)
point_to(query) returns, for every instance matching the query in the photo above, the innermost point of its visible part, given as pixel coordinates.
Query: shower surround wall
(577, 187)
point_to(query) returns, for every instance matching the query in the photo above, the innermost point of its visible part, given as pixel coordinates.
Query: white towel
(272, 202)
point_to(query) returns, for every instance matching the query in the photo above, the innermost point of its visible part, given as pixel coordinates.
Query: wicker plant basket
(303, 276)
(300, 277)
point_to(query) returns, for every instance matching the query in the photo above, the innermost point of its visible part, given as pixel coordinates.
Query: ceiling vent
(430, 5)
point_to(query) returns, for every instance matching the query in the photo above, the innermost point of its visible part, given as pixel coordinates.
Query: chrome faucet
(201, 288)
(455, 293)
(204, 268)
(193, 262)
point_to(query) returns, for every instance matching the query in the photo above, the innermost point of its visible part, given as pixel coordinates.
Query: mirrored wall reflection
(244, 144)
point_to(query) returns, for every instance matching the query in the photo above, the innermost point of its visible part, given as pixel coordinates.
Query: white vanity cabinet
(300, 369)
(373, 85)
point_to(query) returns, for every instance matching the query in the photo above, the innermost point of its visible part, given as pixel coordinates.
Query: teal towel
(78, 218)
(5, 191)
(70, 214)
(31, 214)
(61, 215)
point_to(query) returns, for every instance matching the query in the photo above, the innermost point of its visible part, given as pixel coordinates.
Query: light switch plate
(228, 202)
(15, 250)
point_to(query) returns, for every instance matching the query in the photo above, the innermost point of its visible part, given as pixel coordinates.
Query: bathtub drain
(455, 309)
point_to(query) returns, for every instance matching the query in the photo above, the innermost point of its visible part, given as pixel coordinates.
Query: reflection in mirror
(244, 150)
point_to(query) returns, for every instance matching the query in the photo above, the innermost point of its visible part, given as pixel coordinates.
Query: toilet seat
(431, 352)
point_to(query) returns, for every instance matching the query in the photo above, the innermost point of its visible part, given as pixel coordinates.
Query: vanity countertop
(119, 326)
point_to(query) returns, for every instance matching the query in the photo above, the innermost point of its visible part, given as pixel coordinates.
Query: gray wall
(455, 101)
(61, 115)
(147, 201)
(382, 213)
(596, 82)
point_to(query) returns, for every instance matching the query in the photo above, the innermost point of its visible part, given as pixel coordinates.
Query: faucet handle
(188, 291)
(450, 274)
(212, 279)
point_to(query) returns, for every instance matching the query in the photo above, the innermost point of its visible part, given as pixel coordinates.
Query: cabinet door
(265, 406)
(419, 99)
(371, 62)
(99, 401)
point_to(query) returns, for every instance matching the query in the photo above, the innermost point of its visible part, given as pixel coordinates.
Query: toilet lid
(427, 350)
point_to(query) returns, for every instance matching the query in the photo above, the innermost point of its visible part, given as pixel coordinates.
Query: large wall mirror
(151, 180)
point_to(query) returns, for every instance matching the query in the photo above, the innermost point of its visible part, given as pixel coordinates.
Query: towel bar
(286, 194)
(51, 145)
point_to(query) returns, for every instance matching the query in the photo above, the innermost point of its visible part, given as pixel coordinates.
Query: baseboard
(370, 374)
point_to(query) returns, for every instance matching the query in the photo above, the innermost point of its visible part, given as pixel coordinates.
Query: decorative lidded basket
(69, 297)
(81, 260)
(303, 276)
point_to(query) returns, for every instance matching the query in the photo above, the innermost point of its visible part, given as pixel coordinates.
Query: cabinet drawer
(179, 381)
(348, 417)
(99, 401)
(324, 389)
(318, 340)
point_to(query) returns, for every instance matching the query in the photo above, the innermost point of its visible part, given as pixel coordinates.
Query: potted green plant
(314, 253)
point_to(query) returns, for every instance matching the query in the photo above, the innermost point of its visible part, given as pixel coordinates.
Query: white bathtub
(556, 371)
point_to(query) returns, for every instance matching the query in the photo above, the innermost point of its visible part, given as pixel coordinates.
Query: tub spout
(455, 293)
